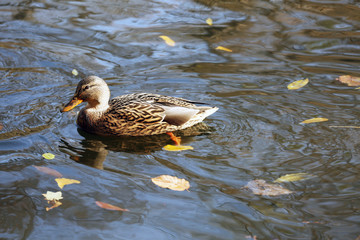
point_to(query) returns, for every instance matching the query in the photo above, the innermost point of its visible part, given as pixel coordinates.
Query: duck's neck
(101, 104)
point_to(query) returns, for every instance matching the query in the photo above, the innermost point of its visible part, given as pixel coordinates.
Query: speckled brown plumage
(136, 114)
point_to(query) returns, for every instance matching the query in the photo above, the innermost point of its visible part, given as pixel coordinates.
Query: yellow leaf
(48, 156)
(65, 181)
(209, 21)
(109, 206)
(314, 120)
(53, 196)
(173, 183)
(223, 48)
(74, 72)
(177, 148)
(168, 40)
(298, 84)
(293, 177)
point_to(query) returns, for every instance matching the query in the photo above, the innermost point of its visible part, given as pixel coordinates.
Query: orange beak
(73, 103)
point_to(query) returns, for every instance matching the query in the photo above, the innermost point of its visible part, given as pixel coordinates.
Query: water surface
(255, 135)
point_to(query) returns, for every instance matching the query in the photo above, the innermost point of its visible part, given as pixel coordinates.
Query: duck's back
(148, 114)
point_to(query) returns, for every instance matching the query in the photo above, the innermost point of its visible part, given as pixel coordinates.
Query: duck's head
(92, 90)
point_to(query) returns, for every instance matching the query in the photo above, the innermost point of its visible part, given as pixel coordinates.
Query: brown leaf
(349, 80)
(173, 183)
(49, 171)
(260, 187)
(110, 207)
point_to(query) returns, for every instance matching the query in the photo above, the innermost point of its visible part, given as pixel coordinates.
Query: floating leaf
(74, 72)
(54, 205)
(48, 156)
(223, 49)
(298, 84)
(177, 148)
(53, 196)
(49, 171)
(65, 181)
(349, 80)
(260, 187)
(293, 177)
(173, 183)
(168, 40)
(209, 21)
(110, 207)
(314, 120)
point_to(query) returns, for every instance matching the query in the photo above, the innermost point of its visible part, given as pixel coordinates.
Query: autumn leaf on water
(48, 156)
(349, 80)
(53, 198)
(293, 177)
(109, 206)
(49, 171)
(177, 148)
(223, 49)
(260, 187)
(74, 72)
(209, 21)
(173, 183)
(314, 120)
(168, 40)
(65, 181)
(298, 84)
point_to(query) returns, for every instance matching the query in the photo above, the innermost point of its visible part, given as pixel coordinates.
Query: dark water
(255, 135)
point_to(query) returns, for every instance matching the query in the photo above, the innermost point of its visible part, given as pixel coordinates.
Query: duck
(136, 114)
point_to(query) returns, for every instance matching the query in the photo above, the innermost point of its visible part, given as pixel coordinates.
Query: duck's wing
(152, 108)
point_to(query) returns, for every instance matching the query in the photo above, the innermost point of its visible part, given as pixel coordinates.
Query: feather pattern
(137, 114)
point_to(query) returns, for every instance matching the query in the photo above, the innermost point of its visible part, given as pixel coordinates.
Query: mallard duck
(137, 114)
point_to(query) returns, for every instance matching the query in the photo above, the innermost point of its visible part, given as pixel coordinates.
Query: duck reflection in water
(94, 149)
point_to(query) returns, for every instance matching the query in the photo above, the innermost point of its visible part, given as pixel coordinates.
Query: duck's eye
(86, 87)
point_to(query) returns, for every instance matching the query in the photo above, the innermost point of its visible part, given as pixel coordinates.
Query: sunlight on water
(255, 135)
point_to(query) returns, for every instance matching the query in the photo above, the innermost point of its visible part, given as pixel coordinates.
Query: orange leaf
(168, 40)
(349, 80)
(49, 171)
(54, 205)
(173, 183)
(110, 207)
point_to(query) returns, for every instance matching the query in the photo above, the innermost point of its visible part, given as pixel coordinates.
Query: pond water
(255, 134)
